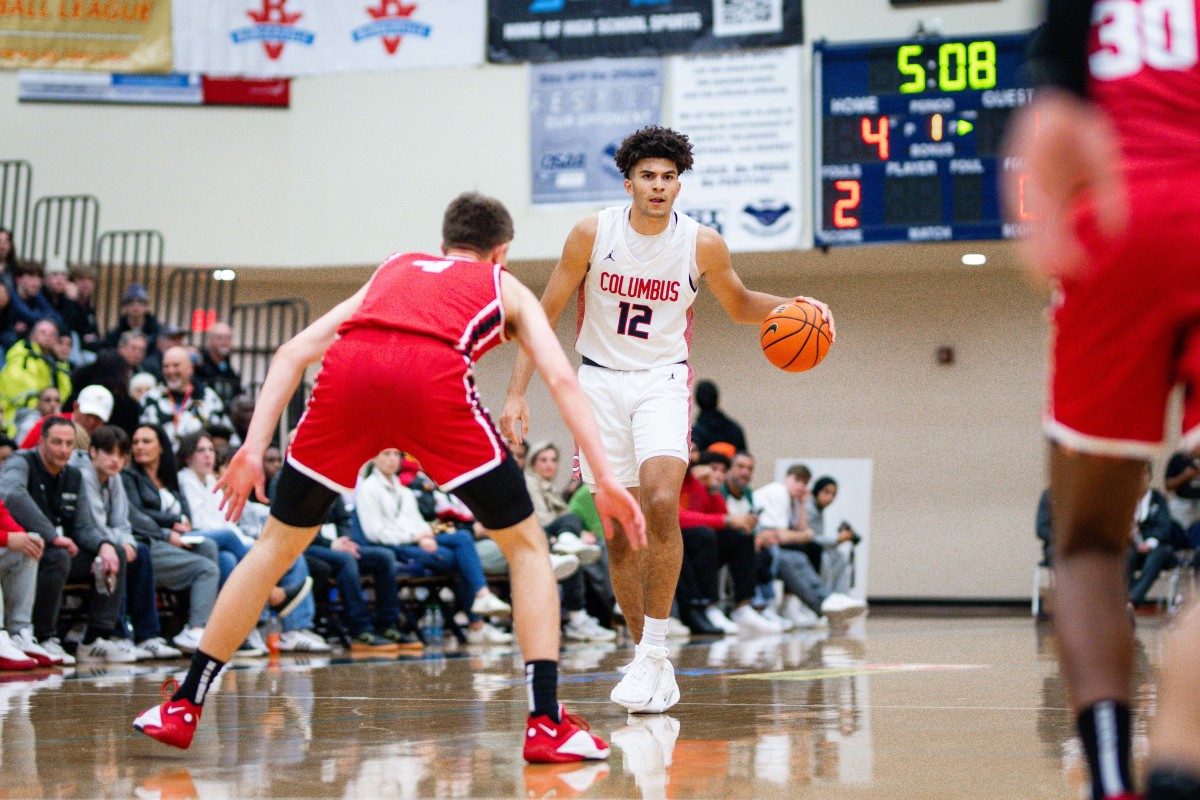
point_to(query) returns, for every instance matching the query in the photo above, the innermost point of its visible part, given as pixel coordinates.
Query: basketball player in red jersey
(397, 372)
(1111, 147)
(636, 271)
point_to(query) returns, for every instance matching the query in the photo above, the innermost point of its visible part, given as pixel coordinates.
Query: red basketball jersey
(453, 299)
(1144, 69)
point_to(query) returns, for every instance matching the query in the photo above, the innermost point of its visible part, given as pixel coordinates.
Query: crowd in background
(113, 442)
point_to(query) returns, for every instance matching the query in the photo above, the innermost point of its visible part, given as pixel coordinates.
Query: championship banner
(278, 38)
(564, 30)
(578, 114)
(742, 113)
(109, 36)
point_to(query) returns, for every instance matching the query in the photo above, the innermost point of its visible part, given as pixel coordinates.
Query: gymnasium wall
(303, 201)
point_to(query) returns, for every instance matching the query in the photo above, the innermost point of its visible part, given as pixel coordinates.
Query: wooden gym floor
(898, 707)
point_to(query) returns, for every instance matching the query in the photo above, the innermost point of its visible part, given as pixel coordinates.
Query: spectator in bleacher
(31, 366)
(100, 466)
(783, 521)
(8, 257)
(293, 604)
(132, 347)
(835, 563)
(8, 333)
(55, 285)
(215, 368)
(92, 409)
(241, 409)
(49, 404)
(29, 305)
(112, 372)
(152, 486)
(739, 499)
(272, 463)
(182, 405)
(567, 538)
(712, 538)
(596, 577)
(711, 424)
(135, 316)
(388, 514)
(169, 336)
(82, 289)
(140, 386)
(20, 553)
(348, 561)
(563, 527)
(175, 566)
(1150, 551)
(45, 495)
(1183, 490)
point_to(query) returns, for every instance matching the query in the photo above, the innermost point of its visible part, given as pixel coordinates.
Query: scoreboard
(908, 135)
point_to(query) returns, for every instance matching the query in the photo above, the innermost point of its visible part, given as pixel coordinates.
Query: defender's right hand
(514, 419)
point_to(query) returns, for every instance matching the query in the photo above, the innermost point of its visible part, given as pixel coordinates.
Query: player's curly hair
(476, 222)
(654, 141)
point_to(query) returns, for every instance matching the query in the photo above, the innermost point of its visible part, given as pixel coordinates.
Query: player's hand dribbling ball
(795, 336)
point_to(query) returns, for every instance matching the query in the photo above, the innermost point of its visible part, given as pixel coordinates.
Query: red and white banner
(172, 90)
(275, 38)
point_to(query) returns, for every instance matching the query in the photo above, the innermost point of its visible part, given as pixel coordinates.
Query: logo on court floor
(274, 26)
(392, 21)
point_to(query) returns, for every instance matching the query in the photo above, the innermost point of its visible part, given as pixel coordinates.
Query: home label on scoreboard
(908, 135)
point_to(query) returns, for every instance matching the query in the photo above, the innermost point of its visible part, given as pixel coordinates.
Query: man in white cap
(93, 407)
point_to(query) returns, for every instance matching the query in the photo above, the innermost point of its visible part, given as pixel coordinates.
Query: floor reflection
(873, 712)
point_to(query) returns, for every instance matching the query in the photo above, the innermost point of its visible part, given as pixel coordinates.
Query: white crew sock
(654, 632)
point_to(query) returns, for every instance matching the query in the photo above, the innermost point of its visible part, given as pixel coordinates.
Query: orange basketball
(795, 337)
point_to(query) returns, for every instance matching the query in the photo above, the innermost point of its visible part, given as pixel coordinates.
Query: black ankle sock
(1104, 729)
(91, 634)
(1171, 783)
(200, 676)
(541, 680)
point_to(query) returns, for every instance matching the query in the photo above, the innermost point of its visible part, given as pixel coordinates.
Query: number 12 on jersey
(634, 325)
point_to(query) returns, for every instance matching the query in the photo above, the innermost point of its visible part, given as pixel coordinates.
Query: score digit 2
(849, 203)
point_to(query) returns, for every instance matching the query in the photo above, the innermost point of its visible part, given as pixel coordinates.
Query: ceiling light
(974, 259)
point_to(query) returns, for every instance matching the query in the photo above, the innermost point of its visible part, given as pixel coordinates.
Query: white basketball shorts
(641, 414)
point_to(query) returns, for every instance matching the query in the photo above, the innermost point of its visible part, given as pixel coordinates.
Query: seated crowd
(113, 443)
(1164, 530)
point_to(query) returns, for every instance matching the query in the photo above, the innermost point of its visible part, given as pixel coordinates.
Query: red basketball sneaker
(172, 722)
(550, 742)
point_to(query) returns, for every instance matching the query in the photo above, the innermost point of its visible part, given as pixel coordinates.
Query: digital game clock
(907, 138)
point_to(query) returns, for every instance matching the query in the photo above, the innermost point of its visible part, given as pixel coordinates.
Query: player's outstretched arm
(245, 473)
(1069, 150)
(537, 339)
(741, 304)
(564, 281)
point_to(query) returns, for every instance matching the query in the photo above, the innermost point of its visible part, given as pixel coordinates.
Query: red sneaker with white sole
(172, 722)
(550, 742)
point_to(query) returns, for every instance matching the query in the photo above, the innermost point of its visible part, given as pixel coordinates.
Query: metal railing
(64, 226)
(16, 183)
(197, 297)
(259, 329)
(123, 258)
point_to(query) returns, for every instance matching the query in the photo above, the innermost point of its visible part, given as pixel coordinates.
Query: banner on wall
(125, 35)
(275, 38)
(578, 114)
(174, 89)
(742, 114)
(564, 30)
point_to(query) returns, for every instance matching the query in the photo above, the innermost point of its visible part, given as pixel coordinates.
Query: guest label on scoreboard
(908, 135)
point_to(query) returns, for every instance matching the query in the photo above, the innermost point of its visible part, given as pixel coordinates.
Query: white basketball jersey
(638, 314)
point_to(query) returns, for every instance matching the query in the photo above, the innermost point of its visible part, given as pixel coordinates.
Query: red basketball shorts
(388, 389)
(1128, 330)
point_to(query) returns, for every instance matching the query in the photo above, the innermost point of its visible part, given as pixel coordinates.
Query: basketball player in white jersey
(636, 270)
